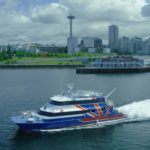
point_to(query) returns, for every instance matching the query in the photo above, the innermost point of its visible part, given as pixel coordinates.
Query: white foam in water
(135, 111)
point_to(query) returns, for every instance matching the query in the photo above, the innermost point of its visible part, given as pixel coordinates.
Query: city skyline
(45, 21)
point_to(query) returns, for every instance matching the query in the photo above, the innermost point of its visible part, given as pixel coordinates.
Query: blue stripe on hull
(49, 125)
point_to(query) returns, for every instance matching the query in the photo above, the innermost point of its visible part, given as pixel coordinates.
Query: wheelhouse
(74, 101)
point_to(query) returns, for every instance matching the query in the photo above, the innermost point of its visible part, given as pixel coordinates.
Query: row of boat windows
(49, 114)
(77, 102)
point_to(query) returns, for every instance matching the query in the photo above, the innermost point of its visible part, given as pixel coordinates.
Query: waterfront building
(19, 47)
(98, 45)
(119, 62)
(88, 44)
(124, 45)
(113, 37)
(25, 47)
(146, 47)
(91, 44)
(48, 48)
(106, 49)
(136, 45)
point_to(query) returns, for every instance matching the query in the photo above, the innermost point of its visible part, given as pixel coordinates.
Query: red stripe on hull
(108, 110)
(103, 118)
(82, 108)
(98, 109)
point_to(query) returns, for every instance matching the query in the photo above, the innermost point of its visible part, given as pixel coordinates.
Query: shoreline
(39, 66)
(80, 69)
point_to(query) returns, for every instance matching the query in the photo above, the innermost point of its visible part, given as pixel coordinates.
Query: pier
(93, 70)
(118, 64)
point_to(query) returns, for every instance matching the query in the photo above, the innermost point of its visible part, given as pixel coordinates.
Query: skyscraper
(124, 45)
(146, 47)
(136, 45)
(113, 37)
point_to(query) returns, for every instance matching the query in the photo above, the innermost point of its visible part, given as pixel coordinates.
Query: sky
(45, 21)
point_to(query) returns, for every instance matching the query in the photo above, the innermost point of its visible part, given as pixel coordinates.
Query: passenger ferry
(69, 110)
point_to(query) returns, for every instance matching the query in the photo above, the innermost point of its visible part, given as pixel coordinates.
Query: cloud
(2, 3)
(49, 14)
(107, 10)
(146, 9)
(46, 21)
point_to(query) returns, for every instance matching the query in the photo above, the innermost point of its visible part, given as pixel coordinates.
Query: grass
(55, 63)
(54, 60)
(33, 58)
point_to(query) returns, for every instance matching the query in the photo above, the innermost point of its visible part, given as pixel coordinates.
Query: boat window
(103, 108)
(93, 110)
(44, 113)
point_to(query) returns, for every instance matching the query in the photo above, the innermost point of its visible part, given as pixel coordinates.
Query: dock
(94, 70)
(117, 64)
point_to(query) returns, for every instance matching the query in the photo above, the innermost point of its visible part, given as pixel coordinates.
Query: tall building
(72, 42)
(146, 47)
(136, 45)
(113, 37)
(124, 45)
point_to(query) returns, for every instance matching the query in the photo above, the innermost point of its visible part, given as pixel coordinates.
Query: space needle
(72, 44)
(71, 17)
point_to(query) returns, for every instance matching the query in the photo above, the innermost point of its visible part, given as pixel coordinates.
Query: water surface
(29, 89)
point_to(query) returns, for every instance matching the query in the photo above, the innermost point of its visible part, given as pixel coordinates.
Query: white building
(88, 42)
(91, 44)
(106, 50)
(72, 45)
(113, 37)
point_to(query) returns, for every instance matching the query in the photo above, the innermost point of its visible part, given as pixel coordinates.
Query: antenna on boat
(69, 89)
(109, 94)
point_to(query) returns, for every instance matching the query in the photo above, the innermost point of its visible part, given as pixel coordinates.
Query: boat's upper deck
(62, 98)
(77, 99)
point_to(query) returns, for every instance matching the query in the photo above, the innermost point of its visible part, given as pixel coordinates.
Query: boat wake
(135, 111)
